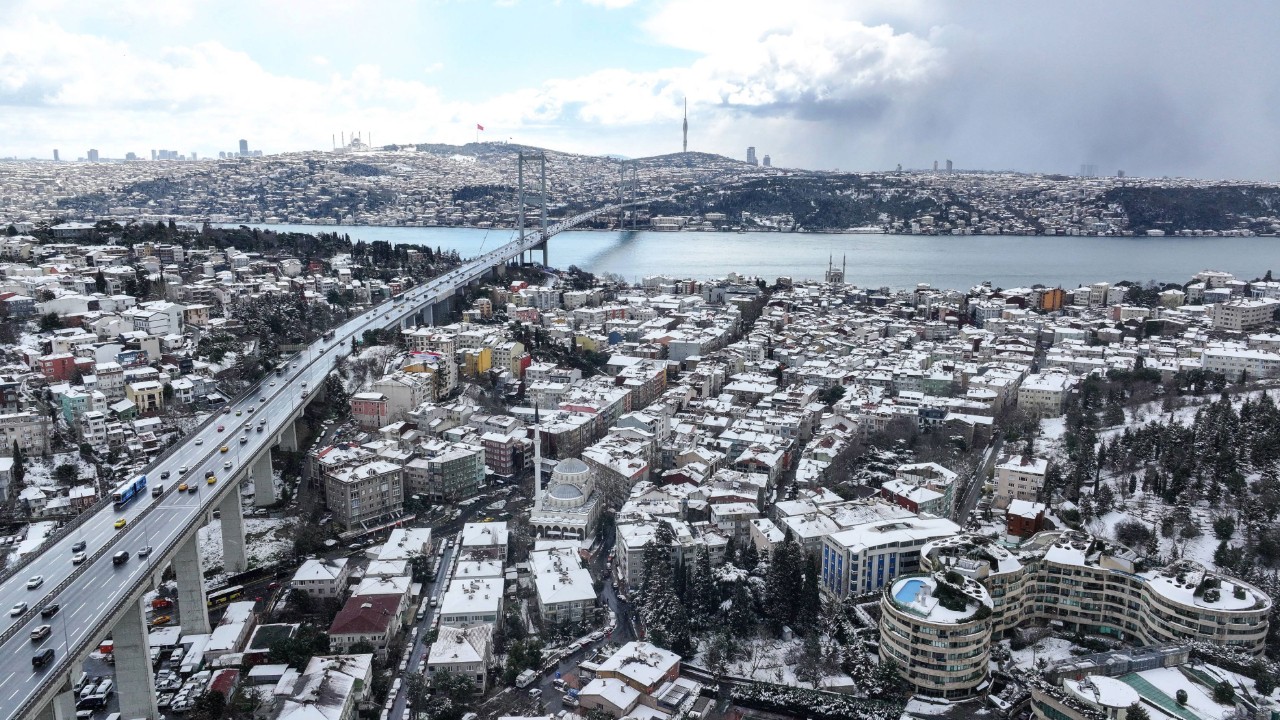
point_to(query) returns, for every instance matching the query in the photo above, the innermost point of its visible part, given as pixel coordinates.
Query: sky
(1151, 88)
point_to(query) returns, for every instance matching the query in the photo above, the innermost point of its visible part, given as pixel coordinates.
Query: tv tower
(686, 125)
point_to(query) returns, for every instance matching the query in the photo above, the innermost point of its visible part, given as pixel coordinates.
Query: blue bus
(128, 490)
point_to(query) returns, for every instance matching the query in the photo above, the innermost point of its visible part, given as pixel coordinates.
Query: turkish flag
(479, 126)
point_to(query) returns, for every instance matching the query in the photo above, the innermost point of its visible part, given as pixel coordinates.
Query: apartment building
(365, 493)
(463, 652)
(1045, 394)
(1237, 315)
(937, 629)
(29, 430)
(1088, 585)
(322, 578)
(1020, 477)
(564, 589)
(867, 557)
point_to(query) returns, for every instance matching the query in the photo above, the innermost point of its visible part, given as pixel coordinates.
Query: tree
(1224, 693)
(19, 464)
(66, 474)
(742, 612)
(1180, 696)
(750, 557)
(298, 650)
(211, 705)
(50, 322)
(1224, 526)
(784, 584)
(703, 599)
(100, 282)
(1137, 712)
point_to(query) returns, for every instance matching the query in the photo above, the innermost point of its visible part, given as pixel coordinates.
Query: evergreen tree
(784, 584)
(750, 557)
(704, 600)
(1137, 712)
(19, 464)
(810, 605)
(742, 612)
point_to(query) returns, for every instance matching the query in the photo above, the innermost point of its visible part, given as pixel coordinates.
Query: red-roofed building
(225, 682)
(365, 618)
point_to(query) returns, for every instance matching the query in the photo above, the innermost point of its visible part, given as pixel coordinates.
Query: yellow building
(476, 361)
(147, 395)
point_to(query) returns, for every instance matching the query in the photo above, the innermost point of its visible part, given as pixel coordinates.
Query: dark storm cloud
(1151, 88)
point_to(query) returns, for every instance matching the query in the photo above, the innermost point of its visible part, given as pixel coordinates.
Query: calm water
(897, 261)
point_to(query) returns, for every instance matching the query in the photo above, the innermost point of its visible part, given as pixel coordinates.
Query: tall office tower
(686, 125)
(1120, 173)
(55, 154)
(767, 161)
(131, 156)
(244, 147)
(193, 155)
(93, 155)
(935, 166)
(153, 153)
(751, 156)
(948, 166)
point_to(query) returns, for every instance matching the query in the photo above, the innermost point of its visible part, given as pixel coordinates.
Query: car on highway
(182, 470)
(164, 475)
(224, 449)
(17, 609)
(120, 523)
(260, 428)
(273, 383)
(239, 413)
(35, 582)
(193, 488)
(42, 658)
(264, 397)
(50, 610)
(79, 546)
(221, 428)
(250, 409)
(249, 424)
(227, 465)
(120, 558)
(199, 441)
(244, 439)
(41, 633)
(78, 558)
(211, 479)
(183, 487)
(158, 490)
(144, 551)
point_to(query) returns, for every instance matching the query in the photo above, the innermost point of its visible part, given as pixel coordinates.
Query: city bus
(218, 598)
(126, 491)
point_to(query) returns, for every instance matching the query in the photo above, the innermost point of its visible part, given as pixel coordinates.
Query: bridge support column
(232, 531)
(192, 602)
(134, 681)
(544, 254)
(289, 437)
(264, 489)
(63, 705)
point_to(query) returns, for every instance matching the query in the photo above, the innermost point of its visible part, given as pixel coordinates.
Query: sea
(870, 260)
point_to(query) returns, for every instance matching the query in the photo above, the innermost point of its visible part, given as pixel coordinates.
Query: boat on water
(865, 230)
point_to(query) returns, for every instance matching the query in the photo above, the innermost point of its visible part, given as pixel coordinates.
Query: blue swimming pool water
(907, 593)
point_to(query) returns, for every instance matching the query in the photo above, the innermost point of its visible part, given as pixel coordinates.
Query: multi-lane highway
(88, 594)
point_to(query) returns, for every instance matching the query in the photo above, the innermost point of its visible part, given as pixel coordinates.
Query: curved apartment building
(937, 629)
(1090, 585)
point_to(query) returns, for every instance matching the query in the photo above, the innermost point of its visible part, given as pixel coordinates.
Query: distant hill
(1224, 207)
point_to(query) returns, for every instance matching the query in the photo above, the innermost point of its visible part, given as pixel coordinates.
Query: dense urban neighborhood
(672, 499)
(431, 185)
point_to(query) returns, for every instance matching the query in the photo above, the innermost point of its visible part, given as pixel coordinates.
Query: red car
(221, 428)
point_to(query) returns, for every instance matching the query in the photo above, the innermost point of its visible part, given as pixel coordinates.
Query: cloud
(609, 4)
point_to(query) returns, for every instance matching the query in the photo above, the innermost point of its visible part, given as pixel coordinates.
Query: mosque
(569, 508)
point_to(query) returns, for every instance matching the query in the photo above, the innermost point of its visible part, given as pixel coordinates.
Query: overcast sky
(1154, 88)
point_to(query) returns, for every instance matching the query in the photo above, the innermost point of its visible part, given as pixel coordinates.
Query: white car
(35, 582)
(227, 465)
(199, 441)
(18, 609)
(78, 558)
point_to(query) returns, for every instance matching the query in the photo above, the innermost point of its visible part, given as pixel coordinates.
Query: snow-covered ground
(36, 533)
(265, 540)
(766, 660)
(1049, 649)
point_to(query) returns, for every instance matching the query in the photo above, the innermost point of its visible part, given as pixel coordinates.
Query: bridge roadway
(93, 595)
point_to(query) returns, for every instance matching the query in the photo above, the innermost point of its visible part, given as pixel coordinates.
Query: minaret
(686, 125)
(537, 469)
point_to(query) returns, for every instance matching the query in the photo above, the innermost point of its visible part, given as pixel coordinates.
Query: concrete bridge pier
(233, 560)
(63, 705)
(288, 437)
(191, 596)
(135, 683)
(264, 490)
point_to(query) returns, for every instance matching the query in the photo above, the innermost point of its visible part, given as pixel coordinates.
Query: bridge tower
(541, 161)
(628, 183)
